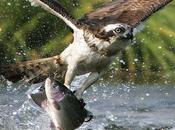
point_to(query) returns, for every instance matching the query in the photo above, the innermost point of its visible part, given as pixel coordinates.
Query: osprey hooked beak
(129, 35)
(119, 30)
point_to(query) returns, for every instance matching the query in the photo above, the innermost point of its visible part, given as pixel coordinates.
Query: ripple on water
(115, 106)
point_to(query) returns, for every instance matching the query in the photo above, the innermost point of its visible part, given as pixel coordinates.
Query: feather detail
(55, 8)
(130, 12)
(33, 71)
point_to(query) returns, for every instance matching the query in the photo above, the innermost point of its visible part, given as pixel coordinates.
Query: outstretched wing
(34, 71)
(54, 7)
(131, 12)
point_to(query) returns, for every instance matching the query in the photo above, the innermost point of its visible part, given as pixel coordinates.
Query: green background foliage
(28, 33)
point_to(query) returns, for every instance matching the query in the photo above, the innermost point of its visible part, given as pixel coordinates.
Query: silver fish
(64, 109)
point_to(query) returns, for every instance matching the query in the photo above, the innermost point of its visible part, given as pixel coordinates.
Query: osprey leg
(70, 74)
(92, 78)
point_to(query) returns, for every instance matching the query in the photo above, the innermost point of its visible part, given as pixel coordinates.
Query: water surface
(115, 106)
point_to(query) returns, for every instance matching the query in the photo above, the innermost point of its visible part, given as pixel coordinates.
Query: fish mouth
(51, 83)
(48, 82)
(53, 90)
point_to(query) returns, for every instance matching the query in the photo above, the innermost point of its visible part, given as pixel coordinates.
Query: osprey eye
(119, 30)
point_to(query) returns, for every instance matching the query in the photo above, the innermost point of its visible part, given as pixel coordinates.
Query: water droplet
(14, 113)
(122, 61)
(142, 98)
(166, 94)
(159, 47)
(9, 4)
(147, 94)
(136, 60)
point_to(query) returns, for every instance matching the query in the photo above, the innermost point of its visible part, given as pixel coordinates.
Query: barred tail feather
(35, 70)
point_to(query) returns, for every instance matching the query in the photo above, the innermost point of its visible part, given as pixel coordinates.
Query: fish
(63, 107)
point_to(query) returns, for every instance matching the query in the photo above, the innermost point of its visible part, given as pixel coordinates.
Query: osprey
(98, 37)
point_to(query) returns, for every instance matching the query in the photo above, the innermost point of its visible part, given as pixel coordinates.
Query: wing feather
(34, 71)
(130, 12)
(54, 7)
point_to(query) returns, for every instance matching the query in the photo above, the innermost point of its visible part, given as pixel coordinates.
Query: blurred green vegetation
(28, 32)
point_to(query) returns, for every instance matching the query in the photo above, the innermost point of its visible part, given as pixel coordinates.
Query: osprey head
(118, 30)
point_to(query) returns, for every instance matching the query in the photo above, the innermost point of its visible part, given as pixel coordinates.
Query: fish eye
(54, 85)
(119, 30)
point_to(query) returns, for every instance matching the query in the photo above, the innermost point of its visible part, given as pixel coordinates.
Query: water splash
(115, 106)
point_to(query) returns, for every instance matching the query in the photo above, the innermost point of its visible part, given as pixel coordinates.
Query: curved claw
(89, 114)
(89, 118)
(82, 102)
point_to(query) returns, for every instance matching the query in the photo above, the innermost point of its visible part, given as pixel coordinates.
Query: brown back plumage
(130, 12)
